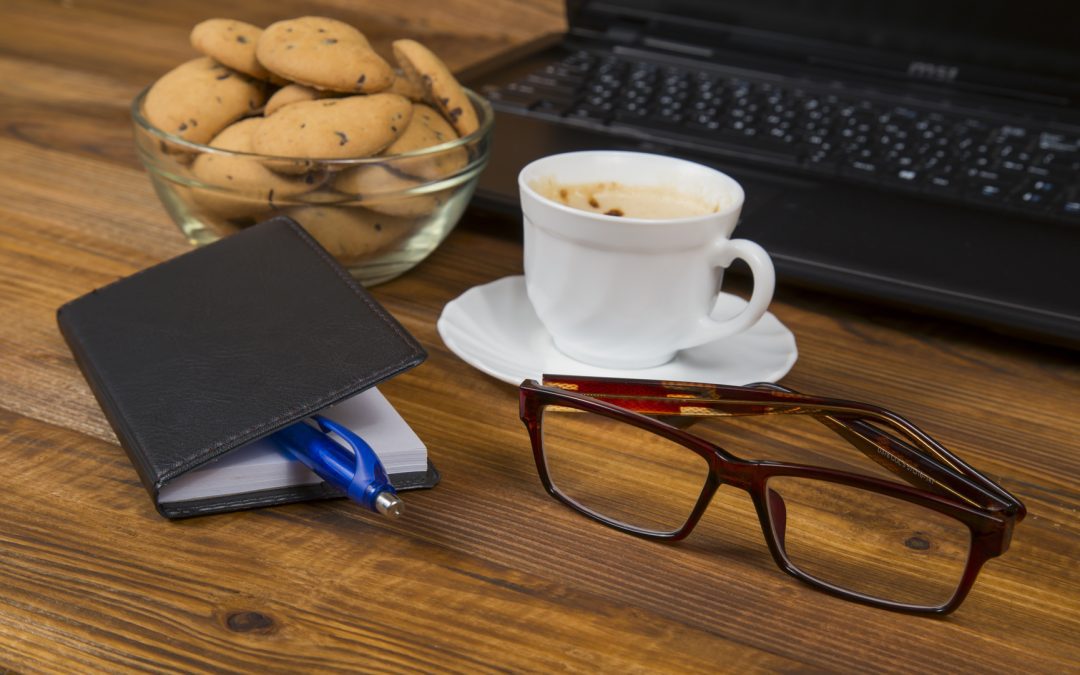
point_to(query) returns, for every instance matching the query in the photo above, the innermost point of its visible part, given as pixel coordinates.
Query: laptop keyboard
(965, 157)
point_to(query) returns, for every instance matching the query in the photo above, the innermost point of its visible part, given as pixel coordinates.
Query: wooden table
(485, 572)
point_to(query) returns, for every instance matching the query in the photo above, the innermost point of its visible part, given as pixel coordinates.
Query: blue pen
(359, 474)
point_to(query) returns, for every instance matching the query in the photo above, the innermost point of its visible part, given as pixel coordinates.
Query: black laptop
(920, 152)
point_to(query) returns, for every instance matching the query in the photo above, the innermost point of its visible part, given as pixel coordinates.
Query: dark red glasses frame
(938, 479)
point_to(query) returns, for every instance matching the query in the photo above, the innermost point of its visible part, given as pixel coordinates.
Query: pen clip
(370, 478)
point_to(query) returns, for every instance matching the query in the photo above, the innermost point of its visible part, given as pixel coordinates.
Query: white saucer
(494, 329)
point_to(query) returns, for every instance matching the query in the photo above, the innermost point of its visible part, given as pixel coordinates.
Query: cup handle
(761, 267)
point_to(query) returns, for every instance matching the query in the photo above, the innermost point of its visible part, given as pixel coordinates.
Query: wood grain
(486, 573)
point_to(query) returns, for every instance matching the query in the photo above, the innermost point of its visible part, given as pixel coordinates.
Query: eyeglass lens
(873, 544)
(620, 472)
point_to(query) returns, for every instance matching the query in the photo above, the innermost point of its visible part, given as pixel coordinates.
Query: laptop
(923, 153)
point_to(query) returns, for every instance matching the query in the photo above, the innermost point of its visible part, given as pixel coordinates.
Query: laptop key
(861, 168)
(587, 111)
(907, 177)
(551, 106)
(510, 98)
(548, 82)
(540, 92)
(943, 181)
(991, 191)
(632, 110)
(821, 162)
(1012, 167)
(983, 175)
(1031, 199)
(563, 73)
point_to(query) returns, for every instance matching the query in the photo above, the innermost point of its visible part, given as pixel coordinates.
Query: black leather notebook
(218, 347)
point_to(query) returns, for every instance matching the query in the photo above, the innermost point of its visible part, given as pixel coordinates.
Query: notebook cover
(205, 352)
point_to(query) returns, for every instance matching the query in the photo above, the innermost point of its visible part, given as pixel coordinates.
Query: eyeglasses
(601, 448)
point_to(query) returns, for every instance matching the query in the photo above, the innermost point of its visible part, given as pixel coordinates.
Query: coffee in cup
(612, 198)
(625, 252)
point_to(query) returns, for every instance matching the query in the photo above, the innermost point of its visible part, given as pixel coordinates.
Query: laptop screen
(1023, 44)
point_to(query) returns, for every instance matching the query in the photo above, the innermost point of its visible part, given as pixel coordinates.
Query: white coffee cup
(629, 292)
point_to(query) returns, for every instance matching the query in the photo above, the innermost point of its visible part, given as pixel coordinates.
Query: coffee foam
(648, 202)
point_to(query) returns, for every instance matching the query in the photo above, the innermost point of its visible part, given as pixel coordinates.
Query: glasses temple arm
(896, 456)
(934, 460)
(893, 455)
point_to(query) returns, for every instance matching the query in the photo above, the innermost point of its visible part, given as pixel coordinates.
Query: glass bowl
(379, 216)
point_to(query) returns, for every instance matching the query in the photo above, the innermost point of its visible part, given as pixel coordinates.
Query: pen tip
(389, 504)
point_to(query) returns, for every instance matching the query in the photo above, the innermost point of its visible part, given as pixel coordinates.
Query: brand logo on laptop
(932, 71)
